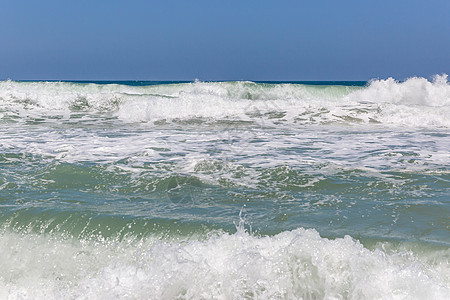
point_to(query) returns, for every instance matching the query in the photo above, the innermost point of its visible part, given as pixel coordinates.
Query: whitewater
(225, 190)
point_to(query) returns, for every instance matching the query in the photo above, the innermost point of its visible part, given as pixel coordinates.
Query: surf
(410, 103)
(292, 264)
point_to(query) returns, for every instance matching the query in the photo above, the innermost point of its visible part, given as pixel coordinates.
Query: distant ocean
(225, 190)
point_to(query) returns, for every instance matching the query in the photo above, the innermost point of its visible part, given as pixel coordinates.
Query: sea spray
(133, 190)
(292, 264)
(410, 103)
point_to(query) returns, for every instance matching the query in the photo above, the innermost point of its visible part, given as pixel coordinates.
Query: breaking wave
(292, 264)
(414, 102)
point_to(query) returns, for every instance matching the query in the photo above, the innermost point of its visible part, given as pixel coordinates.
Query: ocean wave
(416, 102)
(292, 264)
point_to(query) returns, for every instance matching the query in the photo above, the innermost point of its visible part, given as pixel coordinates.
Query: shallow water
(225, 189)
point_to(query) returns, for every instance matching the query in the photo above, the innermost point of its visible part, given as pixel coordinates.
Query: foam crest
(411, 103)
(415, 102)
(294, 264)
(414, 91)
(55, 96)
(389, 102)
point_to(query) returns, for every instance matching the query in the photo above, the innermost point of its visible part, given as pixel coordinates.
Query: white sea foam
(295, 264)
(414, 91)
(416, 102)
(240, 151)
(276, 137)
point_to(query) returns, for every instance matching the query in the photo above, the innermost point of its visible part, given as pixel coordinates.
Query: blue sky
(223, 40)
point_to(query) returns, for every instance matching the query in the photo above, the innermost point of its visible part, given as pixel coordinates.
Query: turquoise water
(225, 190)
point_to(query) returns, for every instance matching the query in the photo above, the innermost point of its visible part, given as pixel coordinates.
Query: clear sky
(223, 40)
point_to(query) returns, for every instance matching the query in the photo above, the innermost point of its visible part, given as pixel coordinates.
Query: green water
(233, 189)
